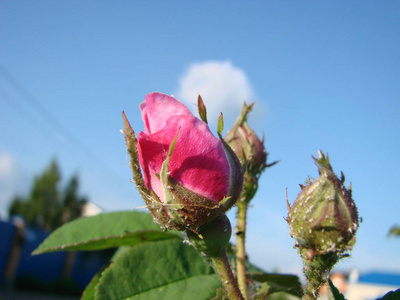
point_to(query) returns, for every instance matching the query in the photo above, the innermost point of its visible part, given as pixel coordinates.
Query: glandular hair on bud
(323, 221)
(245, 143)
(324, 217)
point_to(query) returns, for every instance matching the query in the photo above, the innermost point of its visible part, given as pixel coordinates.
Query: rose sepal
(186, 209)
(235, 167)
(151, 200)
(131, 144)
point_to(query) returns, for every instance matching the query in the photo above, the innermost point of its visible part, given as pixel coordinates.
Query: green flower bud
(212, 238)
(324, 216)
(323, 220)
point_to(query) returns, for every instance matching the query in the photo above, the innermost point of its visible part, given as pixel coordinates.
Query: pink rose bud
(246, 144)
(190, 177)
(250, 150)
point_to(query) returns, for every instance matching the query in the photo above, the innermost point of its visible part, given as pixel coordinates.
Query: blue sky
(323, 75)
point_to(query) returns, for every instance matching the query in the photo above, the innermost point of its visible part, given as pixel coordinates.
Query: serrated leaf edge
(68, 247)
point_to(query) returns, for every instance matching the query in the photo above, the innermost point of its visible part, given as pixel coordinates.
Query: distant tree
(44, 198)
(47, 206)
(395, 230)
(18, 206)
(72, 204)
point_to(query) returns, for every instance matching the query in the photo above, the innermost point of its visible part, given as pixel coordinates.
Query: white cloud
(6, 165)
(223, 87)
(9, 179)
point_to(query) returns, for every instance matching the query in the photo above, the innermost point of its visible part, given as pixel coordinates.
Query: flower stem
(316, 271)
(240, 247)
(223, 269)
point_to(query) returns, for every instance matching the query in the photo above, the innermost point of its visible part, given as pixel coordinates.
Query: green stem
(316, 271)
(311, 291)
(240, 247)
(223, 269)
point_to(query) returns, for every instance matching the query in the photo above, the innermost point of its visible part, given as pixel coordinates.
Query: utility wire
(13, 103)
(46, 115)
(54, 123)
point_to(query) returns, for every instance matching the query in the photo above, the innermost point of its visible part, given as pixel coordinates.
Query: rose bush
(190, 176)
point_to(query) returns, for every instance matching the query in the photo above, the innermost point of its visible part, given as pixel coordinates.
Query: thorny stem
(240, 247)
(223, 269)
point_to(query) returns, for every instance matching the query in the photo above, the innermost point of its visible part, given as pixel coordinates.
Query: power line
(55, 124)
(28, 116)
(46, 115)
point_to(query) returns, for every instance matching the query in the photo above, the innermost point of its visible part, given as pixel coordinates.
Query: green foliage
(333, 292)
(47, 206)
(89, 292)
(273, 283)
(156, 265)
(220, 294)
(41, 207)
(394, 231)
(72, 204)
(105, 231)
(166, 269)
(153, 264)
(393, 295)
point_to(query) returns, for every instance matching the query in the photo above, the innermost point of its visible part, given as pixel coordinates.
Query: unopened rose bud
(246, 144)
(324, 216)
(249, 149)
(190, 177)
(323, 220)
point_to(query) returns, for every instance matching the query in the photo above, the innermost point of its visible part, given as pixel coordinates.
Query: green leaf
(165, 270)
(334, 293)
(120, 251)
(88, 293)
(220, 295)
(105, 231)
(272, 283)
(393, 295)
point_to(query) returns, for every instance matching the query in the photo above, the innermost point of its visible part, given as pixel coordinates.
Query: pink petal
(198, 161)
(158, 108)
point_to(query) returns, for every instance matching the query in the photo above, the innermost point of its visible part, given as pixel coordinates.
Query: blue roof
(380, 278)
